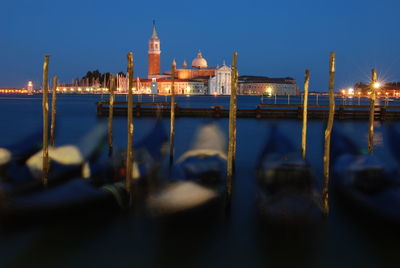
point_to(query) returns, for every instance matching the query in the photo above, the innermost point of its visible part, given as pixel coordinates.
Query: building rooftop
(265, 79)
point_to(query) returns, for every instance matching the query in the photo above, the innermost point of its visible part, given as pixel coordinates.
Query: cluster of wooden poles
(329, 126)
(232, 123)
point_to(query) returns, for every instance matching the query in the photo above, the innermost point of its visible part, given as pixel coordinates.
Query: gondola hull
(195, 192)
(363, 184)
(75, 197)
(288, 194)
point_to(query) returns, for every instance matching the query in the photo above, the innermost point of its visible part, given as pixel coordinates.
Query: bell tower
(154, 54)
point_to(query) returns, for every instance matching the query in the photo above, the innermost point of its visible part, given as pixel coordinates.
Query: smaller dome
(199, 62)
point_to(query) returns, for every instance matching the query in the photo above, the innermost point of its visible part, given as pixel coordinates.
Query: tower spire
(154, 53)
(154, 33)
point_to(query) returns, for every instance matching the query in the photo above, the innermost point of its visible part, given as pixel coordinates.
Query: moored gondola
(103, 190)
(288, 193)
(366, 185)
(195, 189)
(19, 152)
(65, 162)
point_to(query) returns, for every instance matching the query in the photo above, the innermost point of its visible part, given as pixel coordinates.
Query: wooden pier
(342, 112)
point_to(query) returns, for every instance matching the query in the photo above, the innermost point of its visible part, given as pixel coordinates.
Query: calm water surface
(132, 241)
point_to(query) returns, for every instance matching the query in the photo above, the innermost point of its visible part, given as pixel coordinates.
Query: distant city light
(377, 85)
(30, 86)
(350, 91)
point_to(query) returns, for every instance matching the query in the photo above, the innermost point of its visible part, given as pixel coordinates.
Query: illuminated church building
(197, 80)
(200, 79)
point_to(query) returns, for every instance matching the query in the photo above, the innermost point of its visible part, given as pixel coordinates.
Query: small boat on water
(363, 182)
(393, 135)
(103, 190)
(197, 183)
(19, 152)
(288, 191)
(23, 172)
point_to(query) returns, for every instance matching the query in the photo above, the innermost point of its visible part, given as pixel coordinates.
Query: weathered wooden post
(45, 108)
(129, 153)
(328, 131)
(305, 107)
(172, 121)
(110, 114)
(232, 128)
(53, 111)
(373, 86)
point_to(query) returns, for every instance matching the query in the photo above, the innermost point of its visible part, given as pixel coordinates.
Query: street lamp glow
(350, 91)
(377, 85)
(269, 91)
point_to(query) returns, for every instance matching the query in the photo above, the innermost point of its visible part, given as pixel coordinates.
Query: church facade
(193, 80)
(220, 84)
(199, 78)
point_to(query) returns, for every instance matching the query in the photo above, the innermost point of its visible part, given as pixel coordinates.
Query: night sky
(273, 38)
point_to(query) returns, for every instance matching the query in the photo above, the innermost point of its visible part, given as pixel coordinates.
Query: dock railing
(342, 112)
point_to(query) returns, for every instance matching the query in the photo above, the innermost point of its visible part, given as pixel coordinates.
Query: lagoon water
(131, 241)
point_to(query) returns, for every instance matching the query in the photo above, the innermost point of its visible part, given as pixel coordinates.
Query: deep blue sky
(273, 38)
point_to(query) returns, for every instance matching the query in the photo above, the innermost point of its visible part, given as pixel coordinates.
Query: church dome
(199, 62)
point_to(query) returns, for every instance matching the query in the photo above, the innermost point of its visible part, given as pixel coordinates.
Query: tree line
(95, 78)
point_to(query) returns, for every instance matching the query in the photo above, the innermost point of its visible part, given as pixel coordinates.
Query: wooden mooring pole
(45, 108)
(110, 114)
(232, 128)
(129, 151)
(172, 121)
(328, 131)
(305, 107)
(372, 111)
(53, 112)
